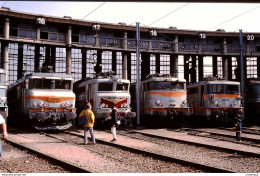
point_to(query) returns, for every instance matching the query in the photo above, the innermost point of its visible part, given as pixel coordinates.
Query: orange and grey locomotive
(104, 91)
(163, 98)
(44, 100)
(215, 99)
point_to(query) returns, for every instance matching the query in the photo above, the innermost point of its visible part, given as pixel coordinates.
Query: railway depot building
(81, 48)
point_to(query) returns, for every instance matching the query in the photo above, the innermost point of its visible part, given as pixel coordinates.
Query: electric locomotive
(3, 98)
(103, 91)
(252, 101)
(215, 99)
(44, 101)
(163, 99)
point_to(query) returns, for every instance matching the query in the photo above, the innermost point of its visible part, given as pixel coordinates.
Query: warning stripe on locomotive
(166, 109)
(169, 94)
(223, 95)
(50, 99)
(51, 109)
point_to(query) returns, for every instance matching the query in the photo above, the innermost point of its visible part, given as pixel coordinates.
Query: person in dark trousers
(114, 122)
(91, 119)
(238, 127)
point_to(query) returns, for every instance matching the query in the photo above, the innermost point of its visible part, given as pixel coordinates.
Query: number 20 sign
(250, 37)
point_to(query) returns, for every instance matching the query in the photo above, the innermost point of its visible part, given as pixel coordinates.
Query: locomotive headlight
(234, 104)
(102, 105)
(45, 105)
(219, 104)
(34, 104)
(62, 105)
(158, 102)
(183, 103)
(41, 104)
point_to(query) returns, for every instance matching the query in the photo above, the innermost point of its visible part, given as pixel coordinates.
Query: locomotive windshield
(122, 87)
(223, 89)
(159, 85)
(105, 86)
(50, 84)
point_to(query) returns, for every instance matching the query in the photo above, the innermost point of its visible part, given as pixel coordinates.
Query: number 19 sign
(202, 36)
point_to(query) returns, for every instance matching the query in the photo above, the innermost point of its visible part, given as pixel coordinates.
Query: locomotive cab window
(42, 83)
(223, 89)
(165, 85)
(63, 84)
(122, 87)
(105, 86)
(233, 89)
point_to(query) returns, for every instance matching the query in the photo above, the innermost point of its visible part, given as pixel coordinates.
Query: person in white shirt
(5, 135)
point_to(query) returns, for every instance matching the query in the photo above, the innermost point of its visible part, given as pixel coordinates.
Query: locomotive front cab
(105, 93)
(164, 97)
(222, 100)
(49, 100)
(3, 94)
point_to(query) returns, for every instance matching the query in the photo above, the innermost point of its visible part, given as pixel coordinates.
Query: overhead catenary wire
(169, 14)
(4, 4)
(93, 10)
(234, 17)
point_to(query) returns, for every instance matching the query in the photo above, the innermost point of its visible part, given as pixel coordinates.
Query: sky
(191, 16)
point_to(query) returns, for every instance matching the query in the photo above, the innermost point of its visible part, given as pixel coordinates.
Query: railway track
(215, 154)
(129, 153)
(225, 134)
(104, 156)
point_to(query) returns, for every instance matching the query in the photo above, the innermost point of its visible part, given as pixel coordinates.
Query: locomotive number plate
(54, 99)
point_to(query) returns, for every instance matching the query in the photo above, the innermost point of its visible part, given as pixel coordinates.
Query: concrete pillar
(124, 58)
(157, 63)
(225, 46)
(5, 50)
(215, 65)
(84, 63)
(98, 67)
(125, 65)
(125, 41)
(68, 51)
(53, 57)
(200, 66)
(258, 66)
(129, 71)
(174, 65)
(229, 60)
(225, 67)
(37, 58)
(186, 68)
(38, 32)
(193, 70)
(20, 61)
(176, 44)
(114, 64)
(145, 65)
(237, 70)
